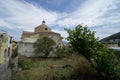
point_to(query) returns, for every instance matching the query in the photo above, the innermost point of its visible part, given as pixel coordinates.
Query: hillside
(115, 38)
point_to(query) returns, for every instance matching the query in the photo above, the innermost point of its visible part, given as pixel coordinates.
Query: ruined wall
(5, 47)
(26, 49)
(5, 55)
(30, 39)
(55, 36)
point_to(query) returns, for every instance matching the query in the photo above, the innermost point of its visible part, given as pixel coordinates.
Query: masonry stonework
(28, 38)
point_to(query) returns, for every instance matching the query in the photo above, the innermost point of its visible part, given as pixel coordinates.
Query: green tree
(63, 51)
(44, 45)
(82, 40)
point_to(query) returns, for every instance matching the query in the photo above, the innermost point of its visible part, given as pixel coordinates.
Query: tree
(63, 51)
(44, 45)
(82, 40)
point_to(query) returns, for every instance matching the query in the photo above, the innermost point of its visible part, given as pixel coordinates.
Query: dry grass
(50, 69)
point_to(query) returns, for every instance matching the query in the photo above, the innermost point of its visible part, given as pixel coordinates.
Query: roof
(26, 32)
(42, 28)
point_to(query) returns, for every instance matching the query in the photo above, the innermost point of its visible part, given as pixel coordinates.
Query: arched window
(46, 29)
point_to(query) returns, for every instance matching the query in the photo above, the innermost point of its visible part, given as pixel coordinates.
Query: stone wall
(55, 36)
(26, 49)
(42, 28)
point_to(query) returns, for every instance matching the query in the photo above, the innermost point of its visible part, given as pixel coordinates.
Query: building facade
(5, 55)
(5, 47)
(28, 38)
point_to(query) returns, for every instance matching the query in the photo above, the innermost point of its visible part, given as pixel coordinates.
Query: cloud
(14, 32)
(102, 14)
(24, 15)
(62, 32)
(3, 23)
(94, 13)
(103, 31)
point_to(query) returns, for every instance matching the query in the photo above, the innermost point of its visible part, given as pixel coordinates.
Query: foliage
(106, 63)
(24, 63)
(84, 42)
(50, 69)
(63, 51)
(44, 45)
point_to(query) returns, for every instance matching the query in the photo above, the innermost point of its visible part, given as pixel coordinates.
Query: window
(46, 29)
(3, 38)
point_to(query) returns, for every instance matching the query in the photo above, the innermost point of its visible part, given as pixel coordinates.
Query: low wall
(26, 49)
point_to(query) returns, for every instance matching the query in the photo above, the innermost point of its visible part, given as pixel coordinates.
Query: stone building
(5, 47)
(5, 55)
(28, 38)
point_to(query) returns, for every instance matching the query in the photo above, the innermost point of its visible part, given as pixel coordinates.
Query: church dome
(42, 28)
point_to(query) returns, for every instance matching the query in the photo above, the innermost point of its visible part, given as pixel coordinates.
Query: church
(25, 46)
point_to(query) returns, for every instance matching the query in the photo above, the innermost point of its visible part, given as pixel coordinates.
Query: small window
(3, 38)
(46, 29)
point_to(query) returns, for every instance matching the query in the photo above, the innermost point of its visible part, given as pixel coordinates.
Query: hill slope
(112, 38)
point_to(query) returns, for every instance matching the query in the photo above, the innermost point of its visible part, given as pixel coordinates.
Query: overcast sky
(102, 16)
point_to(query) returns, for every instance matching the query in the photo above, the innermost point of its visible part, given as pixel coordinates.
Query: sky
(102, 16)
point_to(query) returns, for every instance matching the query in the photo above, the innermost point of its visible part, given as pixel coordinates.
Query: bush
(82, 40)
(50, 69)
(63, 51)
(44, 45)
(24, 63)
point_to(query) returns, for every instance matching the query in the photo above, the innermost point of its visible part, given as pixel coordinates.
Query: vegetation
(82, 40)
(63, 51)
(25, 63)
(115, 38)
(84, 59)
(44, 45)
(54, 69)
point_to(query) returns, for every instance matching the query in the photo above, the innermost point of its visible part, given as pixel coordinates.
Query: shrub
(63, 51)
(82, 40)
(25, 63)
(44, 45)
